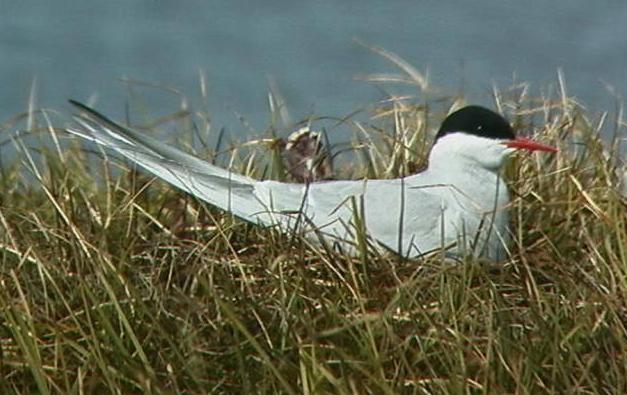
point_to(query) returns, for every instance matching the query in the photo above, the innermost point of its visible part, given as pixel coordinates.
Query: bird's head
(476, 135)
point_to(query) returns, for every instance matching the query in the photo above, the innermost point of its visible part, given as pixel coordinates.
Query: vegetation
(113, 282)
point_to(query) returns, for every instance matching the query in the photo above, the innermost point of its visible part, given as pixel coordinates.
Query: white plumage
(458, 203)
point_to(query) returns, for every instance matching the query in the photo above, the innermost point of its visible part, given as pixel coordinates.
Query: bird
(457, 206)
(304, 155)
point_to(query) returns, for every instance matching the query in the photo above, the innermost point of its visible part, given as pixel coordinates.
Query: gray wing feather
(230, 191)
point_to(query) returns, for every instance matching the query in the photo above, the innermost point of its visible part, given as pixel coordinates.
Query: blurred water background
(81, 49)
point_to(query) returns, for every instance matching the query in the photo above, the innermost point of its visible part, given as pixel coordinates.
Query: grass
(112, 282)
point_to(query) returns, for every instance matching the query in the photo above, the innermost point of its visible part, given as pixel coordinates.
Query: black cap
(478, 121)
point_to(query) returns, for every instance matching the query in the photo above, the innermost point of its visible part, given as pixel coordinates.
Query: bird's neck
(460, 171)
(478, 198)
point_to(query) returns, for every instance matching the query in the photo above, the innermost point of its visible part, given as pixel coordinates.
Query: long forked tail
(229, 191)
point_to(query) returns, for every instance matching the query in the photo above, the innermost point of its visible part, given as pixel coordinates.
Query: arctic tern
(457, 205)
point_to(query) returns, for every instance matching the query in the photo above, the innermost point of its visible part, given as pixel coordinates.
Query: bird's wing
(236, 193)
(403, 219)
(407, 220)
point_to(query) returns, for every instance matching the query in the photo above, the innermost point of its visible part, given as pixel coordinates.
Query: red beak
(528, 144)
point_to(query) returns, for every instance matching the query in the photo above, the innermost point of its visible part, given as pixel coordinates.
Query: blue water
(81, 49)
